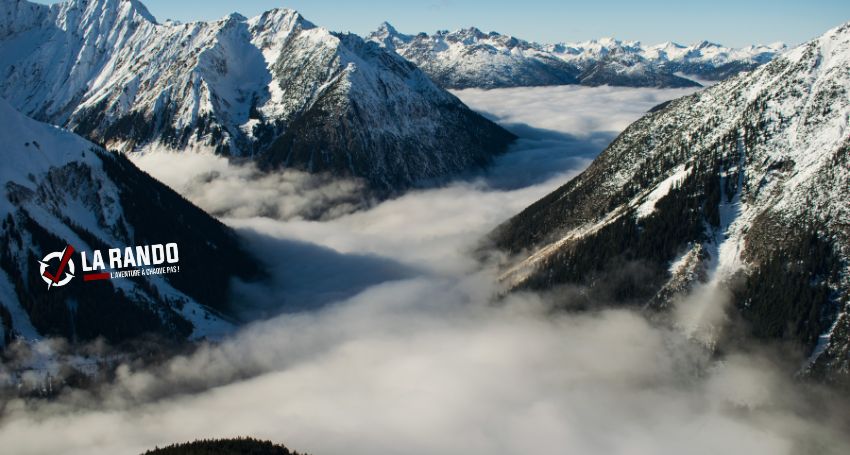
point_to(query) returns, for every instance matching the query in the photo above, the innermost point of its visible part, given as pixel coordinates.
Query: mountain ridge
(107, 70)
(470, 58)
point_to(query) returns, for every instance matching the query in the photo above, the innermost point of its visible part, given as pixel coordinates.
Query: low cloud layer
(571, 109)
(431, 365)
(241, 190)
(412, 351)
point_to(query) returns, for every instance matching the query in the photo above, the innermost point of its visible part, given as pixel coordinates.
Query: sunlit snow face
(404, 349)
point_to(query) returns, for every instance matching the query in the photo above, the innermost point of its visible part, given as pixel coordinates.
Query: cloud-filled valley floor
(389, 337)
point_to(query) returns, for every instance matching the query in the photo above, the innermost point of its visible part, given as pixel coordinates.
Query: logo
(65, 268)
(127, 262)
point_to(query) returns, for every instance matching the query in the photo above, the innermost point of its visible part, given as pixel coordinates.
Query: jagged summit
(387, 28)
(260, 88)
(386, 35)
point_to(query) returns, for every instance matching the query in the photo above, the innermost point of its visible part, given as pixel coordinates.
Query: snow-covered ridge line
(471, 58)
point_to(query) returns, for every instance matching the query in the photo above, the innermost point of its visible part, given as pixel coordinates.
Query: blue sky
(731, 22)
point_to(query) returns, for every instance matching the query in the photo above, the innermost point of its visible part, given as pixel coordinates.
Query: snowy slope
(743, 185)
(471, 58)
(243, 87)
(60, 189)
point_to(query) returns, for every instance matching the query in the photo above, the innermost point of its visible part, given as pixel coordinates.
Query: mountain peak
(841, 30)
(131, 9)
(386, 35)
(234, 16)
(277, 18)
(19, 16)
(474, 31)
(833, 47)
(670, 45)
(388, 28)
(705, 44)
(141, 9)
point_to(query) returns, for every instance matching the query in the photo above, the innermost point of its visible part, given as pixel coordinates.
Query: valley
(252, 232)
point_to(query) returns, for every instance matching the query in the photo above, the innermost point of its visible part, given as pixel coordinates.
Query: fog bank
(396, 342)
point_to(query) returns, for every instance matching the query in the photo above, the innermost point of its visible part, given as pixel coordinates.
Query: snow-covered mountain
(623, 67)
(471, 58)
(274, 87)
(744, 186)
(58, 189)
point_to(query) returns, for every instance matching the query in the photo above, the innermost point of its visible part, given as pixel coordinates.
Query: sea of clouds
(381, 332)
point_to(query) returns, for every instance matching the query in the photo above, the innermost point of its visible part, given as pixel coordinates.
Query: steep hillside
(59, 189)
(745, 185)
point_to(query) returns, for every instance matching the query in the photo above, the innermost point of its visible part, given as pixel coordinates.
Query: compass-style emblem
(65, 270)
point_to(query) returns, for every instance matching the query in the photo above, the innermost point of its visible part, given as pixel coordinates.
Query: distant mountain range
(471, 58)
(744, 186)
(274, 88)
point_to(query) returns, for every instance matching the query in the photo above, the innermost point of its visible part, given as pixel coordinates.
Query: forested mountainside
(746, 184)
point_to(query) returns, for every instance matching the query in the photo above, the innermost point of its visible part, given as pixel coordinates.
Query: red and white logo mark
(57, 268)
(64, 271)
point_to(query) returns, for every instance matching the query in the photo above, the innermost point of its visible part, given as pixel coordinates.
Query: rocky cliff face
(742, 186)
(274, 87)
